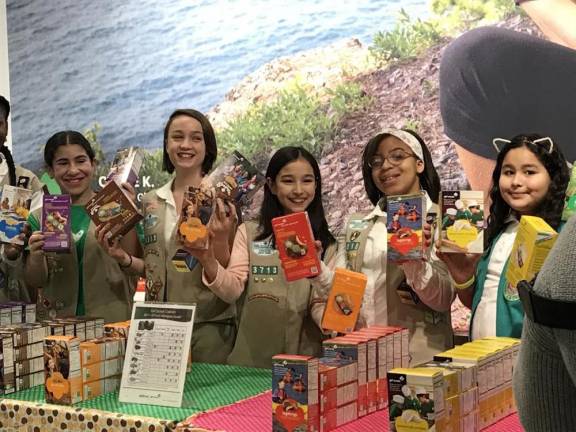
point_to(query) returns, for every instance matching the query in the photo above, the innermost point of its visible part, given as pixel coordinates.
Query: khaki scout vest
(108, 290)
(12, 287)
(163, 282)
(275, 315)
(430, 331)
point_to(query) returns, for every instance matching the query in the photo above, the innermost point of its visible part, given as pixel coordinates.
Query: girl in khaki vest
(11, 270)
(416, 295)
(84, 281)
(189, 152)
(274, 315)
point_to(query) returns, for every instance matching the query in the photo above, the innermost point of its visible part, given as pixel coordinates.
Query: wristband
(127, 265)
(464, 285)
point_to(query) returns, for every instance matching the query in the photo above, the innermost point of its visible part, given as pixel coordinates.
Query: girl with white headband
(417, 294)
(530, 178)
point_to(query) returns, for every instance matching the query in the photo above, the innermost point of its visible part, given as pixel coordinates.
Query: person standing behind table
(530, 178)
(275, 316)
(499, 82)
(397, 162)
(545, 375)
(84, 281)
(189, 152)
(11, 276)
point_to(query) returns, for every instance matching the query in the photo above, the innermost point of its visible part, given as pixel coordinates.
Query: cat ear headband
(501, 142)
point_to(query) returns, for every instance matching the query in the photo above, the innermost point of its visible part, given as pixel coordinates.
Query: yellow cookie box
(533, 242)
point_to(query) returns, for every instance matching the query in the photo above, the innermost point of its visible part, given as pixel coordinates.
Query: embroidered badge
(150, 221)
(264, 270)
(77, 236)
(511, 293)
(150, 238)
(23, 182)
(263, 248)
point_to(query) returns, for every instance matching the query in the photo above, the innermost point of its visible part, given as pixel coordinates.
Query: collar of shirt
(3, 169)
(165, 193)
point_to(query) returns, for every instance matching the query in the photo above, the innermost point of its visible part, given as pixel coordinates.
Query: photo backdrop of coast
(128, 64)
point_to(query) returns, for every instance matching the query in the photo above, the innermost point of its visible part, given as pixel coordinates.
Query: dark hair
(68, 137)
(429, 180)
(5, 151)
(209, 140)
(272, 208)
(5, 105)
(550, 209)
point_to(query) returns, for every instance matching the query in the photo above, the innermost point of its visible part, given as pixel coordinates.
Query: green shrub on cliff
(410, 37)
(297, 118)
(406, 40)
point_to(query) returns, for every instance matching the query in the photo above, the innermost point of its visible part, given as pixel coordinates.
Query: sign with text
(156, 354)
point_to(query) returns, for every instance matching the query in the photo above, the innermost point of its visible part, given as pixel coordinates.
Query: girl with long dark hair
(417, 294)
(530, 178)
(274, 315)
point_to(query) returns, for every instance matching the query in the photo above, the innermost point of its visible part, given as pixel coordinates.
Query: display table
(216, 398)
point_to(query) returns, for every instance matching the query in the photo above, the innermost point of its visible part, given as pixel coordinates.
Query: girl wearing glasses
(530, 178)
(415, 295)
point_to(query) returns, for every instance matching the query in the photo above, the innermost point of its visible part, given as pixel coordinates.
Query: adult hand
(111, 247)
(204, 256)
(427, 234)
(13, 251)
(35, 244)
(223, 221)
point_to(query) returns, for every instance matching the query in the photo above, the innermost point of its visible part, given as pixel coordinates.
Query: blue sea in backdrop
(128, 64)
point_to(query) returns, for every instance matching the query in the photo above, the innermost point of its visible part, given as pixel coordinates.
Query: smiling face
(185, 143)
(399, 177)
(294, 186)
(72, 169)
(524, 181)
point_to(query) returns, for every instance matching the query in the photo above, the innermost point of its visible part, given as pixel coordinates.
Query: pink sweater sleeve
(230, 282)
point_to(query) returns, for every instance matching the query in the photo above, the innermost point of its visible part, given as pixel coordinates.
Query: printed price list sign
(157, 353)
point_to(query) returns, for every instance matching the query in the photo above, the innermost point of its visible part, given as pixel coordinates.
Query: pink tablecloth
(255, 414)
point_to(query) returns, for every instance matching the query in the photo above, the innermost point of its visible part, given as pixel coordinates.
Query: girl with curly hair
(530, 178)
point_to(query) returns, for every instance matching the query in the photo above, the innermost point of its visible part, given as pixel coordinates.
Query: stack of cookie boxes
(77, 369)
(377, 349)
(22, 355)
(495, 358)
(16, 365)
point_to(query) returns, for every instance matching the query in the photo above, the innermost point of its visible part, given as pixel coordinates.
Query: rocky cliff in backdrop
(402, 94)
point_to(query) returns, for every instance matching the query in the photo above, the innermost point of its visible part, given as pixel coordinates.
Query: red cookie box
(404, 226)
(336, 372)
(338, 396)
(295, 244)
(55, 227)
(371, 370)
(340, 347)
(295, 398)
(401, 344)
(337, 417)
(113, 209)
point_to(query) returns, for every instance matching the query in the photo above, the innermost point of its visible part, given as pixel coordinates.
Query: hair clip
(545, 139)
(495, 142)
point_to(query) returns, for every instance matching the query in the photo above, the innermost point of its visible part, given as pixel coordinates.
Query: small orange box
(344, 301)
(63, 381)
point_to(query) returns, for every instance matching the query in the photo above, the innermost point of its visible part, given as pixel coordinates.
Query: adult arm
(556, 19)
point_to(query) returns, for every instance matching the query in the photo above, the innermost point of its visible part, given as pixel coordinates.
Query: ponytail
(5, 151)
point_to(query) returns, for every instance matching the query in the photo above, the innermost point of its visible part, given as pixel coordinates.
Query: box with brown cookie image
(192, 229)
(113, 208)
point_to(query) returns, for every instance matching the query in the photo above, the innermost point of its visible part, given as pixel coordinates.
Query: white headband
(408, 139)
